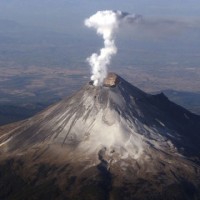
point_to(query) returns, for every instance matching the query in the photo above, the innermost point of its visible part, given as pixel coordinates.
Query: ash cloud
(162, 27)
(108, 22)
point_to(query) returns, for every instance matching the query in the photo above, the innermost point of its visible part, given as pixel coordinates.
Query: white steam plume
(106, 24)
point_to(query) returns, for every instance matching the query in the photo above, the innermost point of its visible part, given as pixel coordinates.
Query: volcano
(104, 142)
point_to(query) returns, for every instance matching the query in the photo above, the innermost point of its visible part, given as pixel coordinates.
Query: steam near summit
(106, 24)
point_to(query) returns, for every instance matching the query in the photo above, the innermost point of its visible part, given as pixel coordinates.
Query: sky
(68, 15)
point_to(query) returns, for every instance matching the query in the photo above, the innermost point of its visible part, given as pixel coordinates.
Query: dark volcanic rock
(107, 142)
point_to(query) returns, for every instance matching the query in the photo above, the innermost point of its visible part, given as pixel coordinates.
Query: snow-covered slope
(114, 117)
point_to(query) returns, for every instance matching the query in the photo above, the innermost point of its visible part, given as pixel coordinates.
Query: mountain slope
(113, 142)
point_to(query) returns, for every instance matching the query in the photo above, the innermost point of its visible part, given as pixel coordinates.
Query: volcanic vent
(111, 80)
(104, 142)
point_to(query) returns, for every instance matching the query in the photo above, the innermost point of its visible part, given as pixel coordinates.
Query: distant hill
(189, 100)
(13, 113)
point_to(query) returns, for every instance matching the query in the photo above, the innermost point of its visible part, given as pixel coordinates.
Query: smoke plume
(106, 24)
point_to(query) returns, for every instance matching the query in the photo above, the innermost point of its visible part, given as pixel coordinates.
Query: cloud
(162, 27)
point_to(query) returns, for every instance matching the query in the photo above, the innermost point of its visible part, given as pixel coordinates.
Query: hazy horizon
(58, 15)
